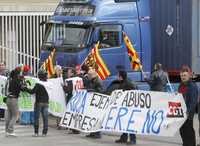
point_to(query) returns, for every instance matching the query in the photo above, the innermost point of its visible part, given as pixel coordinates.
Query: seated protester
(41, 103)
(124, 84)
(94, 86)
(158, 78)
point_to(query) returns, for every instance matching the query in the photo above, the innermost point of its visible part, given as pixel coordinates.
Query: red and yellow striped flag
(95, 61)
(132, 54)
(48, 64)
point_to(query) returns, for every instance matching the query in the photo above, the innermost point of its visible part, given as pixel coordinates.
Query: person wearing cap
(158, 79)
(41, 103)
(189, 91)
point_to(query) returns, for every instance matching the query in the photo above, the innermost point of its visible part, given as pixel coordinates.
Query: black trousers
(124, 137)
(187, 133)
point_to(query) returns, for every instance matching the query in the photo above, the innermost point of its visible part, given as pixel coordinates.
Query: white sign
(85, 111)
(134, 111)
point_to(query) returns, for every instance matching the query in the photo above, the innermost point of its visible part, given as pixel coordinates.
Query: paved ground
(62, 138)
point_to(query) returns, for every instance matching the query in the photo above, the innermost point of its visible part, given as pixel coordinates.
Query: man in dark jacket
(158, 78)
(124, 84)
(41, 103)
(190, 93)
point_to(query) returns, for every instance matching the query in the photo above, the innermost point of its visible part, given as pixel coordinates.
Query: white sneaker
(11, 134)
(35, 135)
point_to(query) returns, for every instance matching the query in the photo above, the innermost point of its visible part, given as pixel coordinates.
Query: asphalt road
(63, 138)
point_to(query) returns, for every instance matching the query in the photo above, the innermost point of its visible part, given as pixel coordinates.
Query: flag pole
(142, 71)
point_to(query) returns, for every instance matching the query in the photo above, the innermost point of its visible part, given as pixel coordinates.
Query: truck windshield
(68, 36)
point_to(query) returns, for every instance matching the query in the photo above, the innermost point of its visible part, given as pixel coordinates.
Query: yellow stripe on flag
(132, 54)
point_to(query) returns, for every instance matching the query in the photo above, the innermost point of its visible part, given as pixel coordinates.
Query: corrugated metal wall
(172, 16)
(21, 38)
(196, 36)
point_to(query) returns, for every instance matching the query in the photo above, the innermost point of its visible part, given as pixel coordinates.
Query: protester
(94, 85)
(41, 103)
(26, 70)
(123, 83)
(15, 86)
(190, 93)
(3, 72)
(158, 79)
(58, 74)
(68, 89)
(199, 118)
(68, 86)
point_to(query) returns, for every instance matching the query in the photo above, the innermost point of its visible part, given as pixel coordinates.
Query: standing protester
(58, 74)
(68, 89)
(199, 118)
(15, 86)
(94, 85)
(190, 93)
(158, 78)
(3, 72)
(124, 84)
(41, 103)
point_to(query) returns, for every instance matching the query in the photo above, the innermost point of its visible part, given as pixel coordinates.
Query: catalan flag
(95, 61)
(48, 64)
(132, 54)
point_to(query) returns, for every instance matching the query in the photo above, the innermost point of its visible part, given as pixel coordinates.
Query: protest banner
(77, 83)
(3, 80)
(145, 112)
(134, 111)
(85, 111)
(57, 104)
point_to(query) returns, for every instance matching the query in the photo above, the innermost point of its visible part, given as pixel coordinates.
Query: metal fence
(21, 37)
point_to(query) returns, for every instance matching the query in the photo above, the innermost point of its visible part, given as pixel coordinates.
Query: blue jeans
(43, 108)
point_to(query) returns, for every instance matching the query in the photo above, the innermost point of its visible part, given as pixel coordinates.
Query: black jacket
(190, 95)
(157, 80)
(95, 85)
(15, 87)
(40, 93)
(123, 84)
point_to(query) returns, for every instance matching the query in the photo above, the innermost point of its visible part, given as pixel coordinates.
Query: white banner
(134, 111)
(85, 111)
(57, 103)
(77, 83)
(145, 112)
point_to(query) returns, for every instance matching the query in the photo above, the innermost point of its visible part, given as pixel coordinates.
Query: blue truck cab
(77, 24)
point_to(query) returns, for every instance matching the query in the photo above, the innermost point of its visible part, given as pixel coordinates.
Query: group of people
(157, 82)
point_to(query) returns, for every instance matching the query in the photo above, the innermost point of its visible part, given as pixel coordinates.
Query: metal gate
(21, 37)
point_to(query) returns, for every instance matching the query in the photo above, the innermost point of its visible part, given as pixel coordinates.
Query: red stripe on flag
(98, 61)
